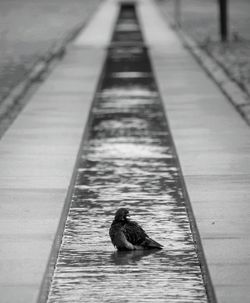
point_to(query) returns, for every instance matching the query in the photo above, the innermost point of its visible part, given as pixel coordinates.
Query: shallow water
(128, 160)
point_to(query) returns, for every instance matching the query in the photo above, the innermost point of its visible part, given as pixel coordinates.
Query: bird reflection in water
(130, 257)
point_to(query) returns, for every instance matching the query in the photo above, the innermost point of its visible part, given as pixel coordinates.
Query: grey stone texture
(213, 145)
(37, 157)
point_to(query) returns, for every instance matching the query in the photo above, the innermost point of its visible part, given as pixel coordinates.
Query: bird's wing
(134, 233)
(138, 237)
(119, 239)
(112, 233)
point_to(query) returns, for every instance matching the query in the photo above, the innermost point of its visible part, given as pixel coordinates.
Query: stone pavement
(213, 145)
(38, 152)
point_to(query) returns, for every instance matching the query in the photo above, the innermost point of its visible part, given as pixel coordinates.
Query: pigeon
(128, 235)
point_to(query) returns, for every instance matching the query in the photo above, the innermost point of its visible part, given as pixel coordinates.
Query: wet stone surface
(127, 161)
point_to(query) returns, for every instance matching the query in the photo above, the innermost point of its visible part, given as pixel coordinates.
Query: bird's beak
(128, 215)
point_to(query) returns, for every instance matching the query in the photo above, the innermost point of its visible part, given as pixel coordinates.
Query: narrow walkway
(127, 160)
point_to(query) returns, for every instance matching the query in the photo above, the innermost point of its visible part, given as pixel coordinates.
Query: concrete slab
(11, 293)
(213, 145)
(99, 33)
(236, 293)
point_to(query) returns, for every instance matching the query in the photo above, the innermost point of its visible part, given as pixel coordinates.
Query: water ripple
(127, 161)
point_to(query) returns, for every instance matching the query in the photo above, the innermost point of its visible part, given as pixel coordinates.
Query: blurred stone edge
(239, 99)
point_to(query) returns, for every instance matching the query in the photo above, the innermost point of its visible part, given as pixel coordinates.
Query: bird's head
(122, 214)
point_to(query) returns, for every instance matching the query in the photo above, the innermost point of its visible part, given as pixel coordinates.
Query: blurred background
(30, 29)
(200, 20)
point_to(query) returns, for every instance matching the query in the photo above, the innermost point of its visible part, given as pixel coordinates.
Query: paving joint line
(195, 233)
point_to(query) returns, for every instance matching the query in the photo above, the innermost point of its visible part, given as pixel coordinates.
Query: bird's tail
(150, 243)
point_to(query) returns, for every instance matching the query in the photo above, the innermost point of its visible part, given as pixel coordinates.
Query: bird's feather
(134, 233)
(129, 235)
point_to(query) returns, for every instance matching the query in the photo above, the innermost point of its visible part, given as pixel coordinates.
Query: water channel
(127, 160)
